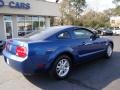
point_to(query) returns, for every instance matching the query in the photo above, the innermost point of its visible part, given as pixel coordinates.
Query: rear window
(38, 35)
(42, 34)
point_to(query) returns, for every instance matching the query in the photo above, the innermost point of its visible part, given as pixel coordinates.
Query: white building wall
(38, 7)
(47, 22)
(115, 21)
(15, 31)
(2, 30)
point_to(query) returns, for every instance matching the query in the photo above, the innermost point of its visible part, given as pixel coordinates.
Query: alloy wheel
(63, 67)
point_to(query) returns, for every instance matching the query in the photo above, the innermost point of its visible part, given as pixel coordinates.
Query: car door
(86, 45)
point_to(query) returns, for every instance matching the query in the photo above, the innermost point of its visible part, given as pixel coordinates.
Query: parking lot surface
(101, 74)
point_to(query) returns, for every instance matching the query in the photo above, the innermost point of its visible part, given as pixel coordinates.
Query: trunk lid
(12, 44)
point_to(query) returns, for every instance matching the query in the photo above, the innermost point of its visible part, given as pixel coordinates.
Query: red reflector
(40, 65)
(21, 51)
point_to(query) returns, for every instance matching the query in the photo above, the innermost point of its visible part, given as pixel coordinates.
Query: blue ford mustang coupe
(55, 50)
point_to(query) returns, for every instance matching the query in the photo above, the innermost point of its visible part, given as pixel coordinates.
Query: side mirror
(95, 36)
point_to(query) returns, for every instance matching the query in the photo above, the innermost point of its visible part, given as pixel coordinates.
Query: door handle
(88, 43)
(84, 43)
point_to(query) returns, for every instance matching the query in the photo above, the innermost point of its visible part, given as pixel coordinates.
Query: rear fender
(58, 52)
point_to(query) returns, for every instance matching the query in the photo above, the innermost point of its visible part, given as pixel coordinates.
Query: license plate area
(9, 47)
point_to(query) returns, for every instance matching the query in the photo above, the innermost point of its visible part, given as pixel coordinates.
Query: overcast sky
(98, 5)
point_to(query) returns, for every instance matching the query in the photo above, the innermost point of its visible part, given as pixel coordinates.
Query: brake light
(21, 51)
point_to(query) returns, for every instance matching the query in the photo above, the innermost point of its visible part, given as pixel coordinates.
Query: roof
(49, 32)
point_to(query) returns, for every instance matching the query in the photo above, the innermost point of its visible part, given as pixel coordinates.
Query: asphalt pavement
(101, 74)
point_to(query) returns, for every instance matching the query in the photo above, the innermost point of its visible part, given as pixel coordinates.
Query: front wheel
(61, 67)
(109, 51)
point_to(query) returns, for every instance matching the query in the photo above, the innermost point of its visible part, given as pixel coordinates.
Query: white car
(116, 31)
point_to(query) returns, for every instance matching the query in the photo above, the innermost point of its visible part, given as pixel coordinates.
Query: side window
(82, 33)
(64, 35)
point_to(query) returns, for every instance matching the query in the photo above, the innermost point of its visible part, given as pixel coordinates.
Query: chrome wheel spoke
(63, 67)
(60, 72)
(109, 51)
(65, 63)
(58, 68)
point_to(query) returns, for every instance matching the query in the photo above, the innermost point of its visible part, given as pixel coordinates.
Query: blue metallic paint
(44, 52)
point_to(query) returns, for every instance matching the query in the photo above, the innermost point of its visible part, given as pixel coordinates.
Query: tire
(59, 69)
(109, 51)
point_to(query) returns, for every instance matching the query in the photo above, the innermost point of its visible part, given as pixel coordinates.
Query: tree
(109, 12)
(71, 10)
(77, 7)
(116, 10)
(57, 1)
(95, 20)
(116, 2)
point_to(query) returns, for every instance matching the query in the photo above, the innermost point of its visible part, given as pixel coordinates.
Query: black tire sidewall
(53, 72)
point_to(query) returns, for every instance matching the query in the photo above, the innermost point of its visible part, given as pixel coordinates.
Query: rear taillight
(21, 51)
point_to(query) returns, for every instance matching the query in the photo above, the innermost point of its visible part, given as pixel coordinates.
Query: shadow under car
(94, 75)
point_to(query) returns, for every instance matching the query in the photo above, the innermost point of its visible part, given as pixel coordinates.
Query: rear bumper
(23, 67)
(26, 67)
